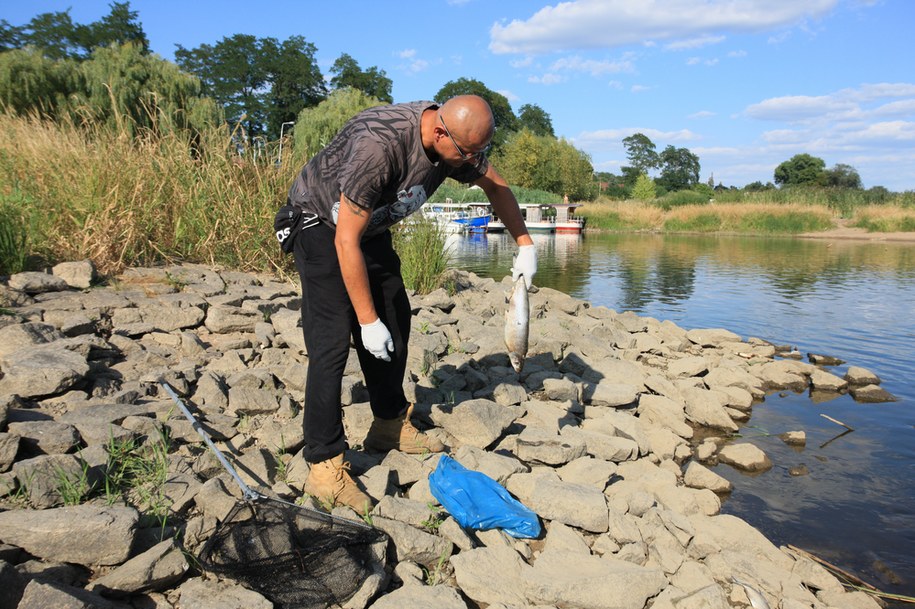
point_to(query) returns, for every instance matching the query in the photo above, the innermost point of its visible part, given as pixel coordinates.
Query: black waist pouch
(287, 223)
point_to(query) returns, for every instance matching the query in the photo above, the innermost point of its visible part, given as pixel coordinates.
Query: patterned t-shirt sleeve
(364, 172)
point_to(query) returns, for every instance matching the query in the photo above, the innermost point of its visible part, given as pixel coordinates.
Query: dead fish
(517, 324)
(757, 600)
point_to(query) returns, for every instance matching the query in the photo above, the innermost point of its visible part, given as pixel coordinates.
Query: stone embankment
(598, 436)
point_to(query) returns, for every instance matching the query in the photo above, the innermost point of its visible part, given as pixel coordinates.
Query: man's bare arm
(352, 220)
(505, 205)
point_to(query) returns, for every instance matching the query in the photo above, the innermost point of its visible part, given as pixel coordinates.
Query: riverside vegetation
(123, 197)
(608, 434)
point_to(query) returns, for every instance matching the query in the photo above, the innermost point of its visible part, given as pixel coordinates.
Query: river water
(850, 299)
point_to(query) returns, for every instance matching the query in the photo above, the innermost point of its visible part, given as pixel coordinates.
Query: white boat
(459, 217)
(536, 220)
(565, 221)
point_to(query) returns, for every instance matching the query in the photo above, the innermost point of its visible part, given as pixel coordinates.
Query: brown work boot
(399, 434)
(330, 481)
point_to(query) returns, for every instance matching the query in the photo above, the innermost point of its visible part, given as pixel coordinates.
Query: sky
(743, 84)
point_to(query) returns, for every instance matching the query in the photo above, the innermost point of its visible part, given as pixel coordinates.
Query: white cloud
(511, 97)
(694, 43)
(522, 63)
(604, 137)
(547, 79)
(798, 107)
(693, 61)
(590, 24)
(407, 53)
(737, 54)
(639, 88)
(591, 66)
(898, 108)
(701, 114)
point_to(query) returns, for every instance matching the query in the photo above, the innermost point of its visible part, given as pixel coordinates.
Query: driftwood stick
(829, 418)
(848, 576)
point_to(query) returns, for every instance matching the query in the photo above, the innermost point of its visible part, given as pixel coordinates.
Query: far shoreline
(834, 234)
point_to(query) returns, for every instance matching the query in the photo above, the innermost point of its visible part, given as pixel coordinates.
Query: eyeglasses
(465, 156)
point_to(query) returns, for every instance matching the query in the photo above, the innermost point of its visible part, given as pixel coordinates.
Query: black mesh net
(296, 557)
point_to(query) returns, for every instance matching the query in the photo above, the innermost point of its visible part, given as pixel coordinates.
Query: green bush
(420, 243)
(706, 223)
(788, 223)
(681, 198)
(13, 234)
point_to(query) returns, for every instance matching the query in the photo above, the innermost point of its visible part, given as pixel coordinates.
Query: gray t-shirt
(377, 160)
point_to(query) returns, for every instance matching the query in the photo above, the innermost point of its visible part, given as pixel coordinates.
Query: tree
(679, 169)
(644, 188)
(118, 27)
(129, 89)
(575, 170)
(536, 119)
(506, 121)
(842, 176)
(640, 151)
(373, 82)
(295, 82)
(59, 38)
(316, 126)
(545, 163)
(801, 169)
(260, 83)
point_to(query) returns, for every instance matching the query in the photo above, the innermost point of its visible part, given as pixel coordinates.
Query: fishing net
(295, 557)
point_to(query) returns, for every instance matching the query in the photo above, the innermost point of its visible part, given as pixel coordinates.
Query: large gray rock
(745, 456)
(225, 319)
(591, 582)
(32, 282)
(664, 412)
(699, 476)
(688, 366)
(49, 437)
(17, 336)
(47, 478)
(156, 569)
(40, 371)
(199, 593)
(80, 274)
(491, 575)
(414, 544)
(104, 536)
(421, 597)
(477, 422)
(609, 394)
(288, 326)
(50, 595)
(711, 337)
(155, 316)
(577, 505)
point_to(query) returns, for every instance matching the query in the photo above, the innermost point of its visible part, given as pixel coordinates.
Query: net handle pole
(245, 489)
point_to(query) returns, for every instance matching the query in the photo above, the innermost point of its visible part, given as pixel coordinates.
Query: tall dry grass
(119, 200)
(886, 219)
(744, 217)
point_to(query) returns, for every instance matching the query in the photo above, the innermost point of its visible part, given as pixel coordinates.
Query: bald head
(470, 120)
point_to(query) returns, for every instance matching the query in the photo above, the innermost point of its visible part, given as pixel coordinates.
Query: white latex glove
(377, 339)
(525, 264)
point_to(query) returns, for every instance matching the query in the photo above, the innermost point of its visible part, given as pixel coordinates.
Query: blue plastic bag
(477, 501)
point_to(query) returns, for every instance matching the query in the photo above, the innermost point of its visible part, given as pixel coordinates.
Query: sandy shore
(844, 232)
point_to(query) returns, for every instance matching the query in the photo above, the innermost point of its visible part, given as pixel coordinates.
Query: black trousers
(328, 322)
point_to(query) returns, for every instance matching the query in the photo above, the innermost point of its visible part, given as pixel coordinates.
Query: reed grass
(118, 200)
(420, 243)
(760, 218)
(886, 219)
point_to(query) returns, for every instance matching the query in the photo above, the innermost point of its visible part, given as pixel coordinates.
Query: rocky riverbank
(606, 435)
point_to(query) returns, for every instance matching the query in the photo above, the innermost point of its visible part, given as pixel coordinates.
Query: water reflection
(853, 300)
